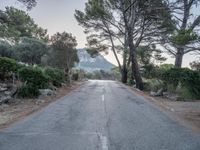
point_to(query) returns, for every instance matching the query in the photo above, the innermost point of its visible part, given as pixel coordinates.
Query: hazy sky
(58, 16)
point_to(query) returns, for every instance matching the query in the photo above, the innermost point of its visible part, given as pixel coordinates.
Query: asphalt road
(101, 115)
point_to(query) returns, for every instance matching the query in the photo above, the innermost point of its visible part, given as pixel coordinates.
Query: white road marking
(104, 143)
(103, 98)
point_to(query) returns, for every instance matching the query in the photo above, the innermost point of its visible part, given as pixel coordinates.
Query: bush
(5, 49)
(185, 77)
(34, 76)
(7, 66)
(56, 76)
(29, 91)
(154, 85)
(75, 76)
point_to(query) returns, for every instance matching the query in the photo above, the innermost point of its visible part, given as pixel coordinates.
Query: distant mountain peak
(90, 64)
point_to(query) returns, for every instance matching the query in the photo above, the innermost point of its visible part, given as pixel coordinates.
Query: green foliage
(28, 91)
(28, 3)
(17, 23)
(63, 53)
(35, 76)
(56, 76)
(5, 49)
(166, 67)
(195, 65)
(130, 81)
(185, 77)
(147, 54)
(30, 50)
(153, 85)
(101, 75)
(183, 37)
(7, 66)
(183, 81)
(75, 76)
(150, 71)
(93, 52)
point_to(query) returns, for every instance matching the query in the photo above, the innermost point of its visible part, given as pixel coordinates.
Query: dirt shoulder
(186, 113)
(19, 108)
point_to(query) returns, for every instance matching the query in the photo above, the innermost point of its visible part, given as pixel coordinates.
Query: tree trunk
(179, 58)
(124, 71)
(136, 71)
(124, 74)
(135, 67)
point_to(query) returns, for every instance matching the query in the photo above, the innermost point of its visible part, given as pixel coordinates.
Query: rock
(5, 99)
(3, 89)
(153, 93)
(46, 92)
(174, 97)
(159, 92)
(63, 84)
(165, 94)
(53, 88)
(38, 102)
(8, 93)
(13, 91)
(3, 85)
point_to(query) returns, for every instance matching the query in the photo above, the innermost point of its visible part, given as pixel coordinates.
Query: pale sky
(58, 16)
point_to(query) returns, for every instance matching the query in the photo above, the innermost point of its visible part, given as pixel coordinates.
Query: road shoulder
(185, 113)
(20, 108)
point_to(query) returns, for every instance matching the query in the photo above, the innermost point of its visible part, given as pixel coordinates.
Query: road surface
(101, 115)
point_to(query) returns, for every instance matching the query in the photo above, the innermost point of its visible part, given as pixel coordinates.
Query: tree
(6, 49)
(103, 34)
(28, 3)
(15, 23)
(30, 50)
(148, 54)
(185, 37)
(124, 29)
(195, 65)
(63, 53)
(144, 22)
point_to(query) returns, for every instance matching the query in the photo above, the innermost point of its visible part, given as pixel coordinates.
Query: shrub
(5, 49)
(56, 76)
(75, 76)
(153, 85)
(28, 91)
(7, 66)
(185, 77)
(191, 80)
(34, 76)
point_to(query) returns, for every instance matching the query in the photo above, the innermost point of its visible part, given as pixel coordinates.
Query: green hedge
(7, 66)
(35, 76)
(28, 91)
(185, 77)
(56, 76)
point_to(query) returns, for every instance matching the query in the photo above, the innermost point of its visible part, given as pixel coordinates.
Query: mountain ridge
(90, 64)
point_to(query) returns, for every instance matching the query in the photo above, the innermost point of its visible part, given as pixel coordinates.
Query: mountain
(87, 63)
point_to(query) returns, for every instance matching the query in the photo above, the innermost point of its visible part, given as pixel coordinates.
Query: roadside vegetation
(31, 62)
(143, 32)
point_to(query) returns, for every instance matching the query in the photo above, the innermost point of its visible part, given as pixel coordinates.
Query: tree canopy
(17, 23)
(63, 53)
(185, 36)
(30, 50)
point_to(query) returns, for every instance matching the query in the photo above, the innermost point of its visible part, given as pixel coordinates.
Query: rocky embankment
(7, 92)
